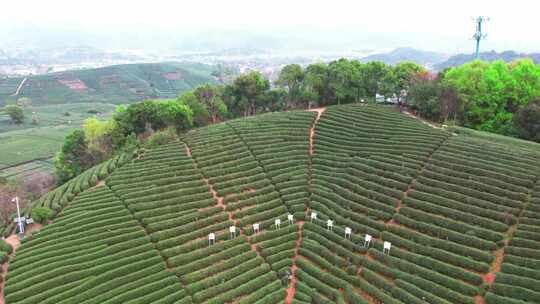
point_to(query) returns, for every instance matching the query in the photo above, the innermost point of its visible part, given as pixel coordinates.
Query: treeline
(150, 123)
(496, 97)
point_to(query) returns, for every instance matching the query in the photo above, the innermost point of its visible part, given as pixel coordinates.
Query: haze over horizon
(281, 25)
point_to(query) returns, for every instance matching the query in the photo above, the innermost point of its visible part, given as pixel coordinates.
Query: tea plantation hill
(462, 212)
(112, 84)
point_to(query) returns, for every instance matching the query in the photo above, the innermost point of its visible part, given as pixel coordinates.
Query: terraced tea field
(462, 214)
(113, 84)
(27, 150)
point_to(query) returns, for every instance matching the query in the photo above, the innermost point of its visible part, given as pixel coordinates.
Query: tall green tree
(492, 92)
(317, 79)
(175, 114)
(405, 74)
(292, 77)
(472, 89)
(247, 92)
(341, 81)
(156, 115)
(527, 121)
(525, 83)
(99, 136)
(424, 97)
(74, 157)
(378, 78)
(15, 112)
(201, 117)
(276, 100)
(210, 96)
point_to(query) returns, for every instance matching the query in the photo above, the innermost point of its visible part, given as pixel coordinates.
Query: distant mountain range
(398, 55)
(438, 61)
(73, 55)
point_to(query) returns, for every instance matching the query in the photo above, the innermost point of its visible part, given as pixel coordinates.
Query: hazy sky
(431, 25)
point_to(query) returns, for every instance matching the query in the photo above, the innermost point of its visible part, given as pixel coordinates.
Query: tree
(340, 81)
(173, 113)
(15, 112)
(406, 74)
(317, 82)
(377, 78)
(153, 115)
(468, 80)
(450, 105)
(99, 135)
(292, 77)
(138, 117)
(201, 117)
(42, 214)
(525, 83)
(490, 93)
(210, 96)
(527, 121)
(275, 100)
(74, 157)
(424, 97)
(247, 92)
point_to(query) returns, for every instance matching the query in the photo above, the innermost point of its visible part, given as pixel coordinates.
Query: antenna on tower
(478, 35)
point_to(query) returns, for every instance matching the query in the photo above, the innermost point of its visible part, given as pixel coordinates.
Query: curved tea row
(462, 214)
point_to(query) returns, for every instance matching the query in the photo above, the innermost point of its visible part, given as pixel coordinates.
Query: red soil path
(499, 257)
(292, 287)
(312, 130)
(479, 300)
(215, 195)
(400, 201)
(496, 266)
(220, 199)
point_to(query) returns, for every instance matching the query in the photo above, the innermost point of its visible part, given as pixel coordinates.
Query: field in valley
(62, 101)
(27, 148)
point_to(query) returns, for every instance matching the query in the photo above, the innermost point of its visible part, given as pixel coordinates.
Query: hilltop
(404, 54)
(113, 84)
(461, 210)
(506, 56)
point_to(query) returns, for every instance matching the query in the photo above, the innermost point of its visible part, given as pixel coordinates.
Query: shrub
(161, 137)
(42, 214)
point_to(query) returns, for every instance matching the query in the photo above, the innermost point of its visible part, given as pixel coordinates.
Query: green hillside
(461, 210)
(113, 84)
(62, 101)
(23, 143)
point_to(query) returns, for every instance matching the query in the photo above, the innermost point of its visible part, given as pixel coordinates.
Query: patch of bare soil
(312, 130)
(74, 84)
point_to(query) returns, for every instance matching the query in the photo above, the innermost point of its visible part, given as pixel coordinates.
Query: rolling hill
(461, 211)
(114, 84)
(398, 55)
(62, 101)
(506, 56)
